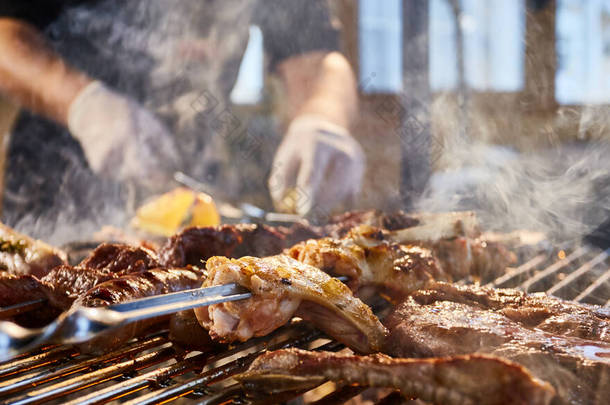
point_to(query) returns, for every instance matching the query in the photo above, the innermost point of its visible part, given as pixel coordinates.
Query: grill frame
(150, 370)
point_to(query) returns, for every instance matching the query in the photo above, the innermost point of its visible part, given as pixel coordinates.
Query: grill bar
(527, 285)
(19, 383)
(78, 383)
(585, 268)
(24, 363)
(519, 271)
(599, 282)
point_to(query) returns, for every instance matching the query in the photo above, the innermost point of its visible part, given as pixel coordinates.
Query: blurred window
(583, 48)
(494, 50)
(249, 86)
(380, 45)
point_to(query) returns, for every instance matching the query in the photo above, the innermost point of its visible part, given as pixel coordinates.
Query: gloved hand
(317, 167)
(121, 139)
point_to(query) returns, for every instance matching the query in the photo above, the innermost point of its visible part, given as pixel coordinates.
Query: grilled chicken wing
(475, 379)
(283, 288)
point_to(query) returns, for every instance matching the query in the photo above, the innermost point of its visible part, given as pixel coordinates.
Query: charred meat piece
(20, 254)
(396, 269)
(340, 225)
(186, 332)
(115, 258)
(17, 289)
(537, 310)
(282, 288)
(194, 246)
(106, 262)
(473, 379)
(130, 287)
(140, 285)
(436, 323)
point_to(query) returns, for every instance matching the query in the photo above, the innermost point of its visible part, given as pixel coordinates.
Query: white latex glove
(121, 139)
(318, 166)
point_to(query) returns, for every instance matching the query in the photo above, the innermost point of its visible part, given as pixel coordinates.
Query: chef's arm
(32, 75)
(322, 84)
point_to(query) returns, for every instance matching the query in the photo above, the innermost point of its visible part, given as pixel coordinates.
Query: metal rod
(37, 360)
(524, 268)
(10, 311)
(554, 268)
(594, 286)
(19, 383)
(93, 378)
(226, 370)
(585, 268)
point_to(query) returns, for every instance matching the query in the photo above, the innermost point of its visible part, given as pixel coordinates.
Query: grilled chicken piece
(450, 320)
(106, 262)
(474, 379)
(195, 245)
(397, 269)
(282, 288)
(460, 256)
(20, 254)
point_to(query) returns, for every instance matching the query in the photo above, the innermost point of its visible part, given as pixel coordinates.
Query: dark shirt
(170, 55)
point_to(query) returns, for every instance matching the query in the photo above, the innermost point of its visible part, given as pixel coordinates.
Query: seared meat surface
(394, 268)
(282, 288)
(20, 254)
(106, 262)
(195, 245)
(140, 285)
(450, 320)
(472, 379)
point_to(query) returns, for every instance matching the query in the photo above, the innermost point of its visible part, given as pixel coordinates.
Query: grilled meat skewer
(475, 379)
(282, 288)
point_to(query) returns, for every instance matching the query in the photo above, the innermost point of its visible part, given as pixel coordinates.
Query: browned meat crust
(473, 379)
(17, 289)
(106, 262)
(140, 285)
(283, 287)
(20, 254)
(129, 287)
(450, 320)
(186, 332)
(194, 246)
(396, 269)
(115, 258)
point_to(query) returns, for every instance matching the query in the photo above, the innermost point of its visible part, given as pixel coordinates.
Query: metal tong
(81, 324)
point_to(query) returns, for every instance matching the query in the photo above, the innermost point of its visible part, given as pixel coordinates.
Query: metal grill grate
(151, 371)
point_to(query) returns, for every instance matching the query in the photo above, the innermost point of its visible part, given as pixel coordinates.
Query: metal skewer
(81, 324)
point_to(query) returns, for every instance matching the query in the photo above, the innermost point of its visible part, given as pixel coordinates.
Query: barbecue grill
(150, 370)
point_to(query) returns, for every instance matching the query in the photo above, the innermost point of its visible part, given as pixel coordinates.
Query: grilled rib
(282, 288)
(475, 379)
(448, 320)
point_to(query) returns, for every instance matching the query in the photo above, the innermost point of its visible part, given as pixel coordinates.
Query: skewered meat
(130, 287)
(186, 332)
(283, 287)
(474, 379)
(397, 269)
(20, 254)
(450, 320)
(194, 246)
(140, 285)
(106, 262)
(17, 289)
